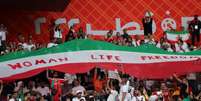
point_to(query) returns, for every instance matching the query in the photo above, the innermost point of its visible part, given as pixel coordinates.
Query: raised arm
(177, 78)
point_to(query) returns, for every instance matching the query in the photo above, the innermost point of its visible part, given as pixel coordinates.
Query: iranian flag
(80, 56)
(175, 35)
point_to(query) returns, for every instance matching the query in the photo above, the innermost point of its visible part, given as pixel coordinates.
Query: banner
(80, 56)
(175, 35)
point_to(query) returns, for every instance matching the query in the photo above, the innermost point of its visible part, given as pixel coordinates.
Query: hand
(144, 91)
(174, 75)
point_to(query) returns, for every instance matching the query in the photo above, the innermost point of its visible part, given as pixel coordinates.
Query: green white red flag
(80, 56)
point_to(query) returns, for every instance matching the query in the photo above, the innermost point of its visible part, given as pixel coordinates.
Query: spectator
(58, 34)
(113, 94)
(125, 35)
(19, 89)
(138, 96)
(98, 80)
(78, 87)
(117, 36)
(43, 89)
(124, 89)
(149, 39)
(78, 96)
(184, 87)
(66, 90)
(193, 83)
(81, 34)
(13, 97)
(181, 46)
(27, 97)
(147, 23)
(169, 48)
(3, 32)
(194, 28)
(55, 86)
(136, 41)
(52, 43)
(71, 34)
(165, 92)
(109, 36)
(32, 86)
(30, 46)
(160, 43)
(129, 42)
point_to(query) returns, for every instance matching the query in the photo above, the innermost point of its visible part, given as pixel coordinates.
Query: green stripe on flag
(80, 45)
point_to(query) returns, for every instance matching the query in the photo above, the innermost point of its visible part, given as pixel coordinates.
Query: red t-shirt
(98, 84)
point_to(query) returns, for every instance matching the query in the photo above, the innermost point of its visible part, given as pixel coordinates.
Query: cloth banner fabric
(174, 36)
(79, 56)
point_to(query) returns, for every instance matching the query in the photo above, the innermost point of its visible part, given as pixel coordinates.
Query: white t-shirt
(51, 45)
(125, 89)
(169, 49)
(77, 99)
(57, 34)
(185, 47)
(25, 46)
(12, 99)
(136, 43)
(43, 91)
(80, 88)
(146, 40)
(3, 35)
(152, 41)
(138, 98)
(153, 98)
(158, 45)
(177, 48)
(113, 95)
(30, 46)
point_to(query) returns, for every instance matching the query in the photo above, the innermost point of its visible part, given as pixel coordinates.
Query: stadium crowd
(99, 84)
(123, 39)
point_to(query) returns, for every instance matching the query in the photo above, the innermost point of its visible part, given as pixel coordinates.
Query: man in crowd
(194, 27)
(147, 23)
(81, 34)
(78, 96)
(78, 87)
